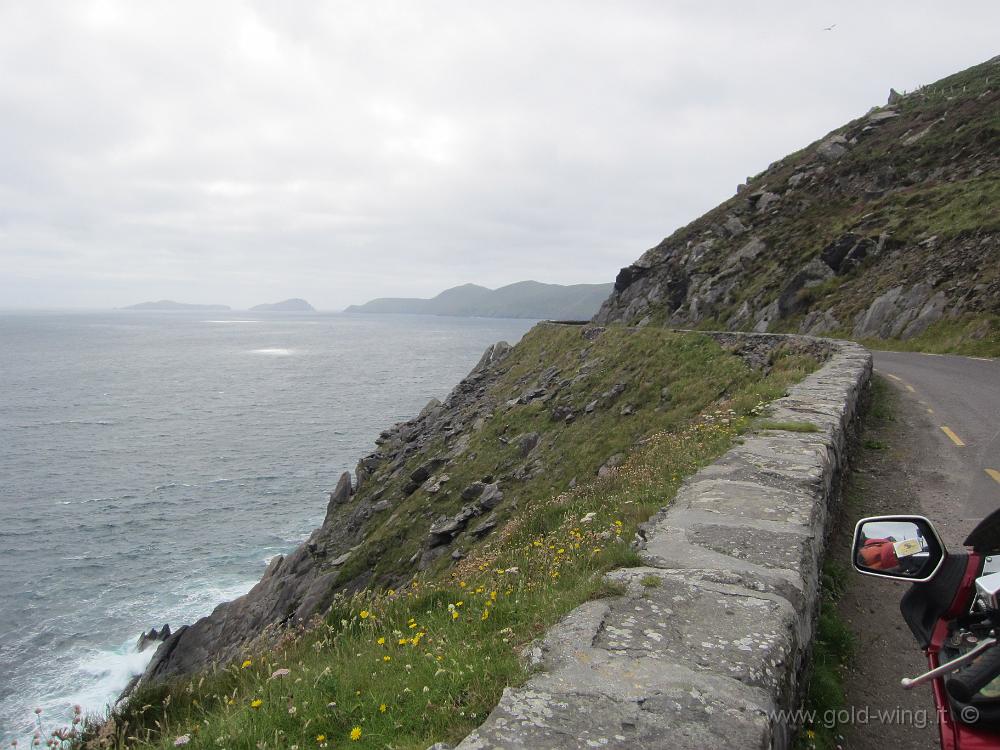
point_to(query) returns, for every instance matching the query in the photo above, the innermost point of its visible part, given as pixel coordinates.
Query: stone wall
(713, 634)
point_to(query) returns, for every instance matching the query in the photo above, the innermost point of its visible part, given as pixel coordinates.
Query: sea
(152, 463)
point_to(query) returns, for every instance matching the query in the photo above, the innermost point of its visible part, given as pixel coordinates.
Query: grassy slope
(428, 662)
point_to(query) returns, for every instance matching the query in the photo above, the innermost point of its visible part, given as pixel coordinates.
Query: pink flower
(182, 740)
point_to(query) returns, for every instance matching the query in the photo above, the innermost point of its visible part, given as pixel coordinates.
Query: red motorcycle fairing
(954, 734)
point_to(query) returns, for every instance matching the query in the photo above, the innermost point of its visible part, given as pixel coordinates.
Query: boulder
(491, 496)
(562, 414)
(473, 491)
(733, 226)
(447, 528)
(819, 322)
(847, 251)
(526, 443)
(589, 408)
(766, 200)
(812, 273)
(342, 493)
(423, 472)
(832, 148)
(484, 527)
(894, 97)
(611, 464)
(151, 637)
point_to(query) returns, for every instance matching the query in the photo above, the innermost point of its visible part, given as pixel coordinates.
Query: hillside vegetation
(468, 546)
(887, 229)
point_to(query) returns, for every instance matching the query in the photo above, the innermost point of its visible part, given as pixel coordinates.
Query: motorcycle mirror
(903, 547)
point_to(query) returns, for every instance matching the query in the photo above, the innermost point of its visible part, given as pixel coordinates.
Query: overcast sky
(245, 152)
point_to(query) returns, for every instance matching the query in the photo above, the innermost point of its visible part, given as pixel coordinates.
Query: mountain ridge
(522, 299)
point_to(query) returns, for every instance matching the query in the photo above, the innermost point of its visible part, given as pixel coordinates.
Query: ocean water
(152, 463)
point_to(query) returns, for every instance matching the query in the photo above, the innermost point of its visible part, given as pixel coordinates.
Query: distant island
(288, 305)
(169, 304)
(525, 299)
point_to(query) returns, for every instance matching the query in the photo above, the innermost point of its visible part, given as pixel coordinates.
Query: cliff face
(882, 228)
(529, 422)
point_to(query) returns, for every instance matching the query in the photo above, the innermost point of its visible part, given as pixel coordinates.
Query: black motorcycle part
(985, 538)
(970, 679)
(926, 603)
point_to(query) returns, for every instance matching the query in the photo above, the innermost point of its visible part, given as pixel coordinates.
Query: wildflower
(256, 703)
(486, 614)
(182, 740)
(364, 614)
(355, 734)
(426, 689)
(280, 673)
(321, 738)
(390, 592)
(382, 708)
(387, 658)
(292, 710)
(454, 615)
(380, 641)
(245, 664)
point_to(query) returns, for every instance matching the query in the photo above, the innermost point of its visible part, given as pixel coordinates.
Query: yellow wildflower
(256, 703)
(363, 614)
(355, 734)
(381, 641)
(246, 664)
(382, 708)
(321, 738)
(387, 658)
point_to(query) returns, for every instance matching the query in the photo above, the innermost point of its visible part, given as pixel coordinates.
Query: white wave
(273, 351)
(225, 322)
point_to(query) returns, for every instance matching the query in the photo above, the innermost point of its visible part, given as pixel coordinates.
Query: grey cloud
(237, 152)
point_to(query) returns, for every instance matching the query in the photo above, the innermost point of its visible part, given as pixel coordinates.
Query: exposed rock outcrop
(881, 228)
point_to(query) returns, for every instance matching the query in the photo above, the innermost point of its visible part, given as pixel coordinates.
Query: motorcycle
(953, 610)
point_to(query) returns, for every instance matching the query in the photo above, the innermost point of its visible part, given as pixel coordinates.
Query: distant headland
(525, 299)
(289, 305)
(168, 304)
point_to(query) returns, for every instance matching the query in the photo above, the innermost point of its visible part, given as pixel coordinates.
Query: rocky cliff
(880, 229)
(566, 405)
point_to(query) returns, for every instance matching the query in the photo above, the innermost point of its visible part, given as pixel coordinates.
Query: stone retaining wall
(714, 631)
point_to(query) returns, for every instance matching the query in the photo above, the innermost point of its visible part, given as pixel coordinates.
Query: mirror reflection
(899, 548)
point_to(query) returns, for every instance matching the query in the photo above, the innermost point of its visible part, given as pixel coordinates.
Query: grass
(835, 643)
(833, 647)
(971, 336)
(426, 661)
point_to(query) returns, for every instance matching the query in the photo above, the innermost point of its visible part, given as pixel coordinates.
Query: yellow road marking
(910, 388)
(954, 438)
(994, 473)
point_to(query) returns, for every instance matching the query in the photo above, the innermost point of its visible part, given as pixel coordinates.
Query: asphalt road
(958, 434)
(914, 466)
